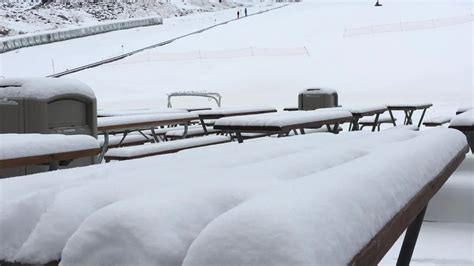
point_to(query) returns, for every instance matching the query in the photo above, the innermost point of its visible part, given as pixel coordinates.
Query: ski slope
(428, 65)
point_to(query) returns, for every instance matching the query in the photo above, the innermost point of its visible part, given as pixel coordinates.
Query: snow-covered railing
(9, 44)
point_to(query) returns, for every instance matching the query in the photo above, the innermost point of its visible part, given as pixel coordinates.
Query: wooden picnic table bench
(283, 122)
(361, 112)
(408, 110)
(130, 123)
(228, 112)
(52, 149)
(135, 152)
(357, 113)
(109, 113)
(437, 121)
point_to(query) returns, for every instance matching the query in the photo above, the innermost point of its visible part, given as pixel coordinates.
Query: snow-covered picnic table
(315, 199)
(283, 122)
(357, 113)
(129, 123)
(53, 149)
(227, 112)
(109, 113)
(464, 122)
(408, 110)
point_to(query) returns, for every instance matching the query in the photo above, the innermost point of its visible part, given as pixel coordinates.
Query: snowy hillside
(20, 18)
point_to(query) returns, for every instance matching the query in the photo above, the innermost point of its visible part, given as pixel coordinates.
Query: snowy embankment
(21, 18)
(230, 202)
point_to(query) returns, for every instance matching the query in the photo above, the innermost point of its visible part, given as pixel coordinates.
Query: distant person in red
(245, 11)
(238, 14)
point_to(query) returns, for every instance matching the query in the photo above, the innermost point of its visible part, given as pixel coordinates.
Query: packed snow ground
(169, 213)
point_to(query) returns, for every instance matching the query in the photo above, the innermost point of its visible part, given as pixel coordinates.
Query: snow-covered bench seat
(118, 140)
(53, 149)
(135, 152)
(437, 121)
(282, 123)
(369, 121)
(110, 113)
(129, 123)
(205, 116)
(315, 199)
(362, 112)
(464, 122)
(192, 132)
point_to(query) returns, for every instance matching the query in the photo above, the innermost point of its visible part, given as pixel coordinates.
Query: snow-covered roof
(14, 146)
(196, 206)
(42, 88)
(465, 119)
(281, 119)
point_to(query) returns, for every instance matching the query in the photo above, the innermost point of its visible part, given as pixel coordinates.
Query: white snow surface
(42, 88)
(281, 119)
(14, 146)
(126, 120)
(231, 201)
(165, 146)
(465, 119)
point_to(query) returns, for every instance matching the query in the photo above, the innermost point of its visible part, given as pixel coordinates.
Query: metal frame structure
(210, 95)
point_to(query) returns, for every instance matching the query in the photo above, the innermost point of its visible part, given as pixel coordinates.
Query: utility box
(47, 106)
(315, 98)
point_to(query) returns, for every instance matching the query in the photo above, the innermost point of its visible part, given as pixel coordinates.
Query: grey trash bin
(47, 106)
(315, 98)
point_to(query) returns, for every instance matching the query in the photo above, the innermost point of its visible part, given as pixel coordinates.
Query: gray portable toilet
(47, 106)
(315, 98)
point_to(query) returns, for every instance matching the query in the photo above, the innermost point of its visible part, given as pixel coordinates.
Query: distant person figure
(238, 14)
(245, 11)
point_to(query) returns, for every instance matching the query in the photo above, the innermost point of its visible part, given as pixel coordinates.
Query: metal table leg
(125, 133)
(392, 117)
(409, 241)
(376, 123)
(355, 124)
(53, 166)
(239, 137)
(203, 126)
(409, 117)
(105, 147)
(421, 118)
(185, 133)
